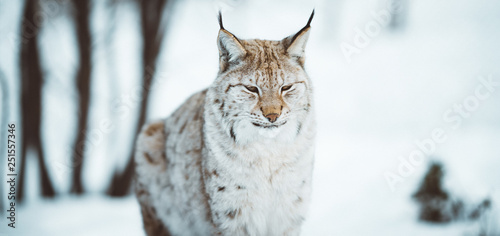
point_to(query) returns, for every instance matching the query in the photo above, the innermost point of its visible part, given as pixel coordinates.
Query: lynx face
(267, 92)
(262, 87)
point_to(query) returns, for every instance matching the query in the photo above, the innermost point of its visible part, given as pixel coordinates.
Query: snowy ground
(370, 111)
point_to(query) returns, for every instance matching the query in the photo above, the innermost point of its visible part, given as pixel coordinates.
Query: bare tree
(81, 13)
(31, 97)
(152, 13)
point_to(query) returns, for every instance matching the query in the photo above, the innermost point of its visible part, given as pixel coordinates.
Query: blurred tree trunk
(31, 99)
(81, 12)
(152, 37)
(399, 14)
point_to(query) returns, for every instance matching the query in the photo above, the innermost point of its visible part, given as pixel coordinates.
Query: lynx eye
(285, 88)
(252, 89)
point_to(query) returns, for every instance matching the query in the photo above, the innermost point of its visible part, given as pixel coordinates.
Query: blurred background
(407, 100)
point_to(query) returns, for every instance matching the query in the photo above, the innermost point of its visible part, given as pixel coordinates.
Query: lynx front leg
(230, 210)
(230, 222)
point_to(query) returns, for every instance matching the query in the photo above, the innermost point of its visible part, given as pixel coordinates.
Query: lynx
(236, 158)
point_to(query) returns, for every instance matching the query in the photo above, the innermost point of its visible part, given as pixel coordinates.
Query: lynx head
(262, 87)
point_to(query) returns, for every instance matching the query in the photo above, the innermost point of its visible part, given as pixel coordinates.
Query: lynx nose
(272, 117)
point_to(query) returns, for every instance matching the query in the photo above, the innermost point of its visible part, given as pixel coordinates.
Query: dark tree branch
(82, 11)
(152, 36)
(31, 97)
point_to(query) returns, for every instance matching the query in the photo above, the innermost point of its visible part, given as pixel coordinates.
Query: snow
(89, 215)
(370, 111)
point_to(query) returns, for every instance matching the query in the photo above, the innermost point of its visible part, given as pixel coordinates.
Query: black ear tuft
(220, 20)
(310, 19)
(305, 27)
(231, 49)
(295, 44)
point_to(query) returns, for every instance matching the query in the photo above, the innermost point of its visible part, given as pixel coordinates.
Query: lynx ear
(295, 45)
(230, 47)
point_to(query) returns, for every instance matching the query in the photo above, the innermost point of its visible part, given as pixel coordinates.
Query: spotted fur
(236, 158)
